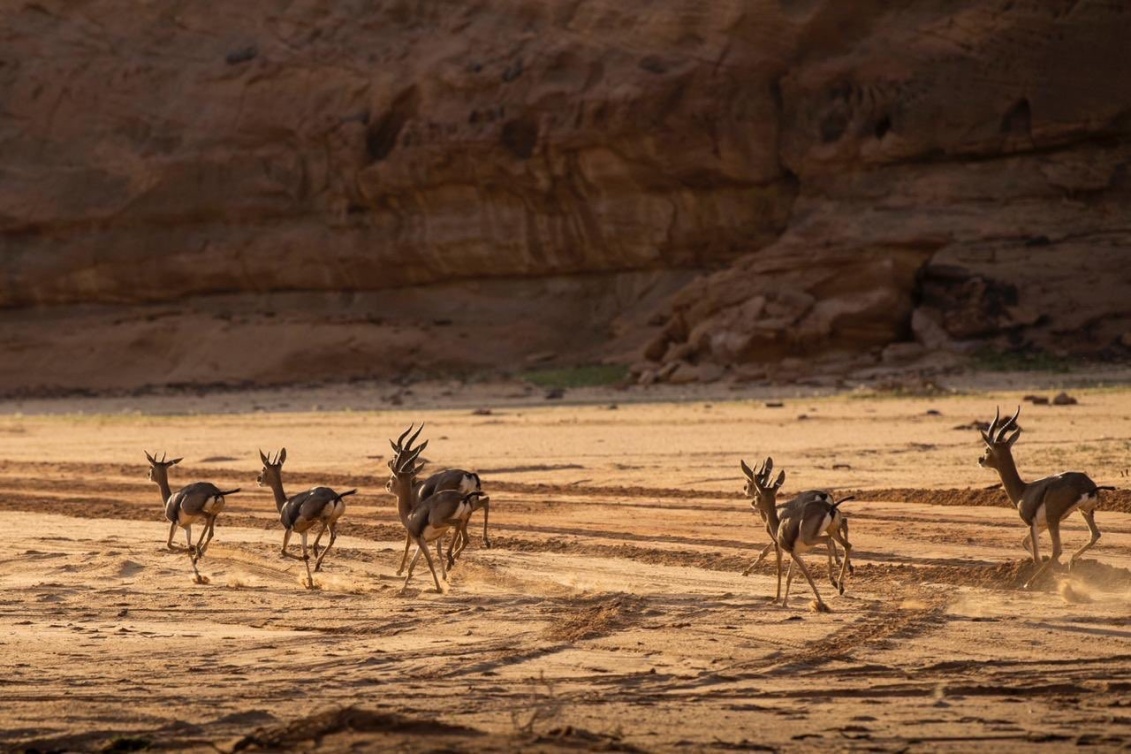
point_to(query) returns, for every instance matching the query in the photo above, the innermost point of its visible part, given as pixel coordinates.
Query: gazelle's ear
(746, 469)
(1013, 438)
(150, 458)
(175, 461)
(985, 437)
(262, 457)
(780, 481)
(282, 456)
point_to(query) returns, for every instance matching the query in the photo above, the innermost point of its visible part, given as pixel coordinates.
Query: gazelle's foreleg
(404, 558)
(777, 551)
(422, 548)
(788, 582)
(805, 572)
(306, 562)
(761, 556)
(1054, 533)
(440, 556)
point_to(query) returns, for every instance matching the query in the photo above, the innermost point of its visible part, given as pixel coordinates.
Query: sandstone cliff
(844, 176)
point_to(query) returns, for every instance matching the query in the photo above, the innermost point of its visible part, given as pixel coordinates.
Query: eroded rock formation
(845, 175)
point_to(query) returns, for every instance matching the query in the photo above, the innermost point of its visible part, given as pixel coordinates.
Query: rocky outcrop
(964, 182)
(845, 175)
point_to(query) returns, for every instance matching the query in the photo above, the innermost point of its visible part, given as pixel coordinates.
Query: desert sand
(610, 612)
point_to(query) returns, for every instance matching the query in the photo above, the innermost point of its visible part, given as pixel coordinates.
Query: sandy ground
(610, 613)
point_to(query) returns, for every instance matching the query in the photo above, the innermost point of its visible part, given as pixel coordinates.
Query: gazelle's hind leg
(846, 567)
(458, 541)
(844, 535)
(286, 540)
(199, 579)
(333, 527)
(462, 536)
(1090, 519)
(194, 555)
(834, 561)
(172, 531)
(206, 537)
(314, 547)
(486, 514)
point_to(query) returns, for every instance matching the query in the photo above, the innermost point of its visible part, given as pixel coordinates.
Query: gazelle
(302, 512)
(460, 481)
(796, 531)
(793, 506)
(191, 503)
(1044, 503)
(428, 519)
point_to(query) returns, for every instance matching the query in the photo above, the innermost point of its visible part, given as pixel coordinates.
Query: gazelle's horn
(1008, 425)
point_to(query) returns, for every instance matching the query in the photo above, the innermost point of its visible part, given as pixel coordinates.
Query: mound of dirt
(351, 728)
(588, 618)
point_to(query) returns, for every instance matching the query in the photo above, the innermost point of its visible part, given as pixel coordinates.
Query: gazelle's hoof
(486, 544)
(818, 606)
(199, 579)
(840, 588)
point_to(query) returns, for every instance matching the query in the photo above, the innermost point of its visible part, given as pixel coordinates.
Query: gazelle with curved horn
(302, 512)
(191, 503)
(796, 531)
(450, 479)
(427, 520)
(1044, 503)
(791, 507)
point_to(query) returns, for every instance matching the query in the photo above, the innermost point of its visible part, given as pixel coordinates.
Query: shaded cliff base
(486, 346)
(474, 329)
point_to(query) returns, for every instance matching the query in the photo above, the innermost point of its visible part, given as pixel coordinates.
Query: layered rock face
(156, 150)
(845, 175)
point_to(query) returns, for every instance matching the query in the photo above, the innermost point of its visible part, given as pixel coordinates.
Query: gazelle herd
(429, 508)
